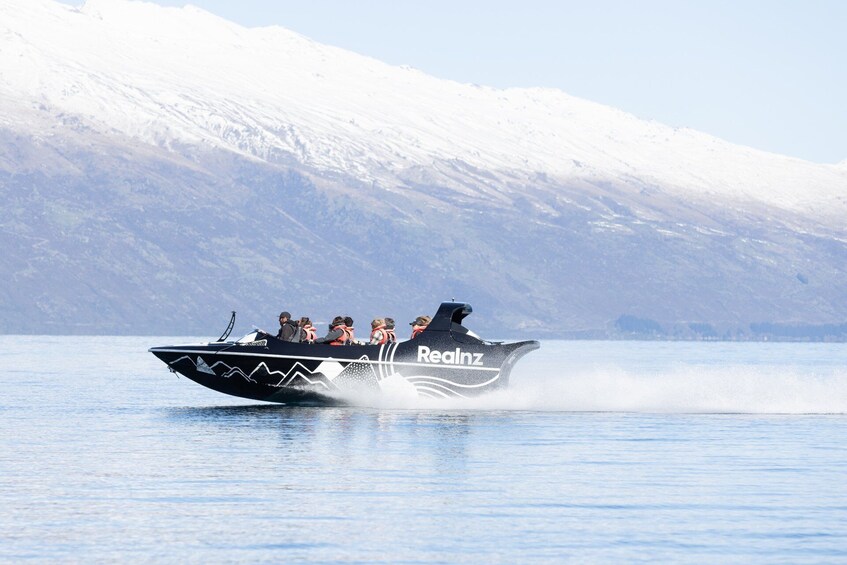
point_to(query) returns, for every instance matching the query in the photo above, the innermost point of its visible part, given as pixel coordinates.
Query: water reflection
(228, 414)
(431, 442)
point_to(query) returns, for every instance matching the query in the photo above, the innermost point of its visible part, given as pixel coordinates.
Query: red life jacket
(417, 330)
(342, 339)
(383, 335)
(351, 337)
(309, 334)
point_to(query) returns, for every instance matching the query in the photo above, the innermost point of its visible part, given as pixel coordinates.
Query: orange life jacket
(351, 337)
(342, 339)
(383, 335)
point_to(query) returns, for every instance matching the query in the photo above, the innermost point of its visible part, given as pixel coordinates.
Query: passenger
(419, 325)
(287, 328)
(351, 340)
(389, 329)
(308, 334)
(378, 334)
(337, 334)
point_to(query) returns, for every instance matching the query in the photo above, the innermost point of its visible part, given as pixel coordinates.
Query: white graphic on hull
(330, 369)
(297, 370)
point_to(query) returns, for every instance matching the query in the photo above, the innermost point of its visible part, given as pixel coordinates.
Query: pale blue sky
(768, 74)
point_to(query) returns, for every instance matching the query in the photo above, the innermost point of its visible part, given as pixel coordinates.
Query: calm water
(600, 452)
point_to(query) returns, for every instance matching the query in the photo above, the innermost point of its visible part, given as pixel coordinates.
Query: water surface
(600, 451)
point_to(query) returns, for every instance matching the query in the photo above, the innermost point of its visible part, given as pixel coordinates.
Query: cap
(285, 315)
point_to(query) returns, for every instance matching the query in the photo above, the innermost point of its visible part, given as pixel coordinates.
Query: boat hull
(434, 366)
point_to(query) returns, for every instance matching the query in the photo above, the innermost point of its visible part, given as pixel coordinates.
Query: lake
(599, 451)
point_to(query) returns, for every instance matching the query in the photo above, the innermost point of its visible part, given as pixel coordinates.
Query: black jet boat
(446, 360)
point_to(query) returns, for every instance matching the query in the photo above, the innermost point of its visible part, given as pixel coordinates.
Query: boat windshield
(463, 334)
(249, 337)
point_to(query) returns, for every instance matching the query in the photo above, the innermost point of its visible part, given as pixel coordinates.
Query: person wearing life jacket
(308, 334)
(351, 337)
(378, 334)
(389, 329)
(337, 335)
(419, 325)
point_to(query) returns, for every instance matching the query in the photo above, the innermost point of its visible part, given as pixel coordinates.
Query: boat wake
(703, 390)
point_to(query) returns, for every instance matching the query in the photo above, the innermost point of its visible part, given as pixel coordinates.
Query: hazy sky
(769, 74)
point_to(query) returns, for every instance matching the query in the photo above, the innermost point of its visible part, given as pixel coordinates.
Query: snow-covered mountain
(187, 156)
(167, 75)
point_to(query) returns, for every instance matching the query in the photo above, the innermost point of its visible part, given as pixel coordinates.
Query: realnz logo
(457, 357)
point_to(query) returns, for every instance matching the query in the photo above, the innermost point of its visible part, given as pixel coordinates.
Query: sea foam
(682, 378)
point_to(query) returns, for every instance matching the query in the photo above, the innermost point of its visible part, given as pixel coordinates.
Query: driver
(287, 328)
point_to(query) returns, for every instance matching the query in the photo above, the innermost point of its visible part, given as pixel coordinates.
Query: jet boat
(445, 360)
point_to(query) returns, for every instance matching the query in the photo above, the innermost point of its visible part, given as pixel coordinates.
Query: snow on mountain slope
(170, 76)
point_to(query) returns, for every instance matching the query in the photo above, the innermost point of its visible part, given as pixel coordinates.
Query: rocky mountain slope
(161, 166)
